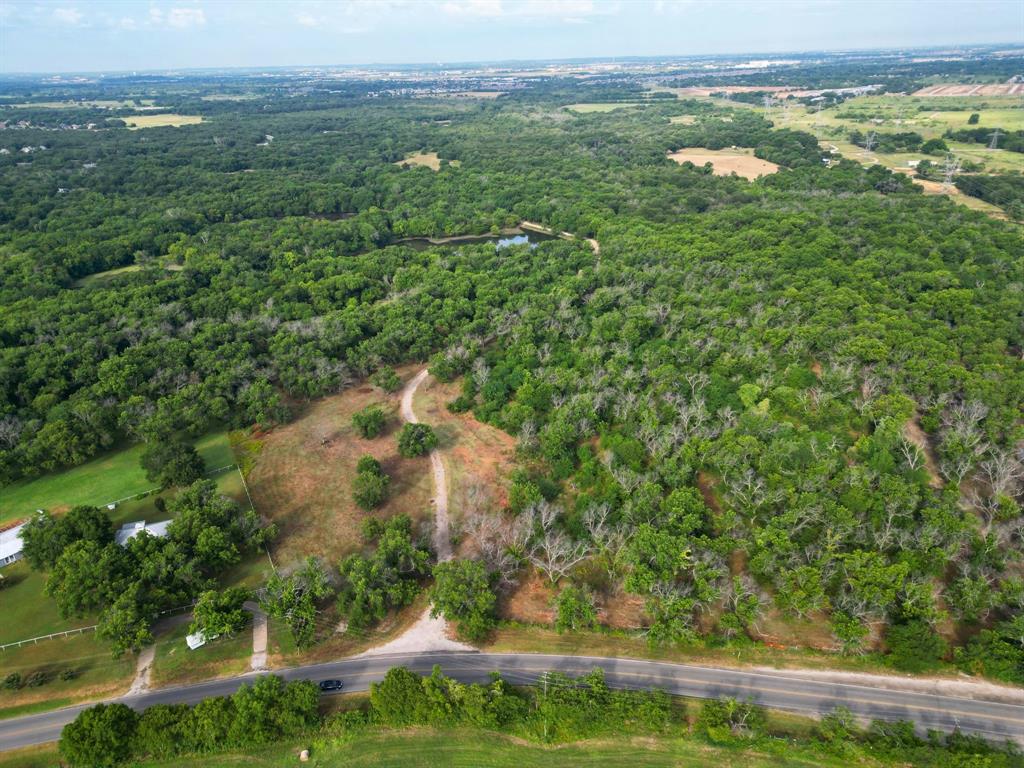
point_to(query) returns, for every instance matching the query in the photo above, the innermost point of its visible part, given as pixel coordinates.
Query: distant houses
(11, 545)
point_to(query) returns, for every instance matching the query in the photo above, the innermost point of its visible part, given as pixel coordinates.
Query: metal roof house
(129, 531)
(11, 545)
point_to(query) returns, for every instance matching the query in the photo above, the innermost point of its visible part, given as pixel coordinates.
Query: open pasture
(425, 159)
(726, 161)
(161, 121)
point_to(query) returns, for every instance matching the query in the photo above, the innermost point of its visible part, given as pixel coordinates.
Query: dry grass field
(727, 161)
(426, 159)
(586, 109)
(160, 121)
(683, 120)
(302, 479)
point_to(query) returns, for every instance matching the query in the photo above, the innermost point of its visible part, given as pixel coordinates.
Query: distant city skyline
(118, 35)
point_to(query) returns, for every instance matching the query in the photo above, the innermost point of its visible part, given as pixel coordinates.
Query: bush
(387, 379)
(103, 735)
(462, 594)
(161, 730)
(416, 440)
(68, 674)
(575, 610)
(12, 682)
(369, 490)
(914, 646)
(37, 679)
(369, 464)
(721, 719)
(370, 421)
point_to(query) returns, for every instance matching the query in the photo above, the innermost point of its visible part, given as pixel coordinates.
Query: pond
(533, 239)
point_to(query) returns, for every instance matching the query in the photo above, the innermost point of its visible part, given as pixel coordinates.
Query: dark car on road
(330, 686)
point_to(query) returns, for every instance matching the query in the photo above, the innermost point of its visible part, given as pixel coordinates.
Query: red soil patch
(623, 611)
(530, 601)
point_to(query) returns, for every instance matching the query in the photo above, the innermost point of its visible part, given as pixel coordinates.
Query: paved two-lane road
(775, 690)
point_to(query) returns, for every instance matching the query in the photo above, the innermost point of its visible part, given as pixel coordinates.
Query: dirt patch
(683, 120)
(623, 611)
(726, 161)
(302, 479)
(530, 601)
(816, 368)
(780, 631)
(913, 433)
(989, 89)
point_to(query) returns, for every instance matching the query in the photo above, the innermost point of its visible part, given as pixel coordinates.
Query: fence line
(35, 640)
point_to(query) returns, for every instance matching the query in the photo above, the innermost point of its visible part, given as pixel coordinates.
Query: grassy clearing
(102, 278)
(683, 119)
(110, 477)
(175, 664)
(474, 454)
(302, 478)
(727, 161)
(160, 121)
(425, 159)
(97, 103)
(587, 109)
(97, 674)
(429, 748)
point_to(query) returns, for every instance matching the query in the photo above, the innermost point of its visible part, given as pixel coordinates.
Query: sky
(131, 35)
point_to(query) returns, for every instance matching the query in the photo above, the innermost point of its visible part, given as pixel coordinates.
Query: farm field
(113, 476)
(727, 161)
(426, 159)
(160, 121)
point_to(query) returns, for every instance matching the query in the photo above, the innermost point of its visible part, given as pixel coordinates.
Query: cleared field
(160, 121)
(98, 103)
(110, 477)
(683, 120)
(986, 89)
(302, 479)
(101, 278)
(426, 159)
(586, 109)
(727, 161)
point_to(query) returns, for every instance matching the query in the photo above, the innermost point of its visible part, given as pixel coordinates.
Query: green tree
(220, 613)
(462, 593)
(416, 440)
(102, 735)
(370, 421)
(172, 462)
(294, 599)
(387, 379)
(574, 610)
(915, 646)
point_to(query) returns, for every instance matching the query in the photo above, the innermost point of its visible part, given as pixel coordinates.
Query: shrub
(462, 594)
(100, 736)
(370, 421)
(37, 679)
(369, 490)
(575, 610)
(12, 682)
(369, 464)
(721, 719)
(387, 379)
(914, 646)
(68, 674)
(416, 440)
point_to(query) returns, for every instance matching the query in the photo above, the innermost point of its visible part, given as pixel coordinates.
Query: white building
(129, 531)
(11, 545)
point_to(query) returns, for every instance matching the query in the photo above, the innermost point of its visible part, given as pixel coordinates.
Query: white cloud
(577, 11)
(127, 23)
(71, 16)
(183, 18)
(307, 20)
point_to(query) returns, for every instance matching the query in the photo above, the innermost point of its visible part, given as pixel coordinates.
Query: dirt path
(143, 670)
(258, 662)
(912, 431)
(429, 633)
(442, 539)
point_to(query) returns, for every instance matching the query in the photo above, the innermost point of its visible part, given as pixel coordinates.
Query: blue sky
(95, 35)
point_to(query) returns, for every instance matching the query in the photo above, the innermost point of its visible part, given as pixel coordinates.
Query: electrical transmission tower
(949, 170)
(769, 102)
(994, 144)
(870, 142)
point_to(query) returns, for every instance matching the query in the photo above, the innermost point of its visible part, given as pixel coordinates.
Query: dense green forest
(803, 391)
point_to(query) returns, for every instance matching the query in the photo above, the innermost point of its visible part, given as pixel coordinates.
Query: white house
(129, 531)
(11, 545)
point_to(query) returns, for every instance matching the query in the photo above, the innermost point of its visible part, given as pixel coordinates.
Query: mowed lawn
(428, 748)
(115, 475)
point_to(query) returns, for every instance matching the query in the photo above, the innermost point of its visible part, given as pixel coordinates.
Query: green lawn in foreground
(427, 748)
(110, 477)
(175, 664)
